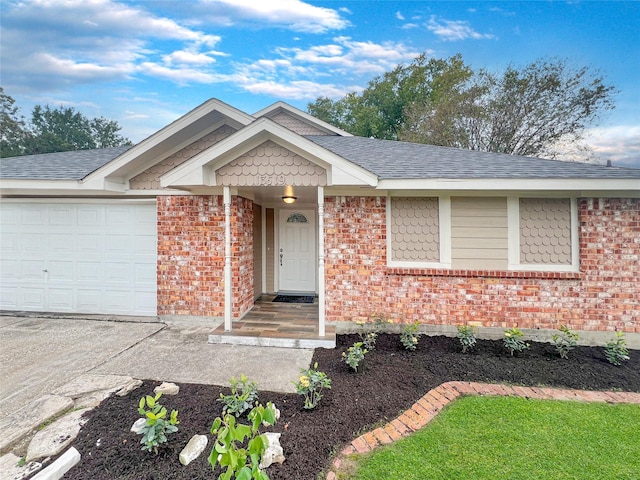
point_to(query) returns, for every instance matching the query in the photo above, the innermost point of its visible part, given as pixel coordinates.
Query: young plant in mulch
(513, 341)
(157, 426)
(310, 385)
(410, 336)
(467, 337)
(370, 331)
(616, 350)
(565, 341)
(238, 448)
(243, 397)
(354, 355)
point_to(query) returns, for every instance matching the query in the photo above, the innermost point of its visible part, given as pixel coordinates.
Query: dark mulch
(391, 380)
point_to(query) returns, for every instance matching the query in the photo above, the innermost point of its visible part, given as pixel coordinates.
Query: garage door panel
(32, 298)
(85, 258)
(61, 271)
(61, 299)
(62, 215)
(62, 244)
(89, 272)
(8, 298)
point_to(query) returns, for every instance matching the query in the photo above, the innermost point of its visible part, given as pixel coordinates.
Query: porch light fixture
(289, 199)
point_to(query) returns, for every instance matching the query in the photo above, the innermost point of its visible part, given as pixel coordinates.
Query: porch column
(227, 259)
(321, 329)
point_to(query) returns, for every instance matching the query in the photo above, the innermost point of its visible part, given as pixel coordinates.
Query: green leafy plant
(310, 385)
(371, 330)
(410, 336)
(354, 355)
(616, 350)
(243, 397)
(513, 340)
(467, 337)
(157, 426)
(238, 448)
(565, 341)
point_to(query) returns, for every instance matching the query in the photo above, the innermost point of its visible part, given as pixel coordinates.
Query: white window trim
(513, 215)
(444, 219)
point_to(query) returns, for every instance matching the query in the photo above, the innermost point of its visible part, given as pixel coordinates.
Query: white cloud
(291, 14)
(399, 16)
(452, 30)
(620, 144)
(297, 90)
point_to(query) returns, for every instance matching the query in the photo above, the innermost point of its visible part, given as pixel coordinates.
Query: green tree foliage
(54, 130)
(541, 109)
(379, 111)
(13, 129)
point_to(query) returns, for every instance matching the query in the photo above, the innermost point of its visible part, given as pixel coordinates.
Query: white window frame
(513, 214)
(444, 227)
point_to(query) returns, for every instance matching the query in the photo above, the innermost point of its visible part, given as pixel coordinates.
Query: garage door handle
(45, 270)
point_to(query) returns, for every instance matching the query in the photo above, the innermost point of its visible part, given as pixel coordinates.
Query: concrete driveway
(38, 355)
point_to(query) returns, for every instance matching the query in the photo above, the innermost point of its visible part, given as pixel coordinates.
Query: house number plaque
(271, 180)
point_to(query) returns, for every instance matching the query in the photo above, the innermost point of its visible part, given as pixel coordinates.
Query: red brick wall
(191, 255)
(605, 295)
(242, 254)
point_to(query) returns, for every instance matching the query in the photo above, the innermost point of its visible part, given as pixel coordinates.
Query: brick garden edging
(435, 400)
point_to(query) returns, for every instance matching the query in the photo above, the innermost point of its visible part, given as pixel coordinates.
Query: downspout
(227, 259)
(321, 327)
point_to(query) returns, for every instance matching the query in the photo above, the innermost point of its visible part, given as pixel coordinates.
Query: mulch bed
(390, 380)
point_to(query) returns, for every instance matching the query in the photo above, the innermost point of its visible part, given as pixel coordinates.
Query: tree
(541, 109)
(54, 130)
(379, 111)
(13, 129)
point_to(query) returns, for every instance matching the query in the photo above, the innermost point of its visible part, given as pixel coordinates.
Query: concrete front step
(265, 341)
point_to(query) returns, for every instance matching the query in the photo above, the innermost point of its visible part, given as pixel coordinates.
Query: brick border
(435, 400)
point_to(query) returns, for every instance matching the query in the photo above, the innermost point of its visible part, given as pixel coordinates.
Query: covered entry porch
(273, 324)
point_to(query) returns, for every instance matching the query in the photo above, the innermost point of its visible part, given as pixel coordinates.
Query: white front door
(297, 251)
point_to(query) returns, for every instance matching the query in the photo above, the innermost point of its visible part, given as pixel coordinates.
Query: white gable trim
(200, 170)
(175, 136)
(305, 117)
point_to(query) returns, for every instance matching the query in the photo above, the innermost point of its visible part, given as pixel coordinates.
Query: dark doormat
(293, 299)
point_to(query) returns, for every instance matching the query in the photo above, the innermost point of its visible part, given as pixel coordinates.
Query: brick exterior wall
(191, 255)
(605, 295)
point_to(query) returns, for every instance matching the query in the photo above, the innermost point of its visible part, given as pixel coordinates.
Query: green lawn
(514, 438)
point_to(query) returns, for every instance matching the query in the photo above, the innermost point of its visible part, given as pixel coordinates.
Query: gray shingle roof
(402, 160)
(58, 166)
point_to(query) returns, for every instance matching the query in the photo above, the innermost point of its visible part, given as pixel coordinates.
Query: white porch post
(321, 328)
(227, 259)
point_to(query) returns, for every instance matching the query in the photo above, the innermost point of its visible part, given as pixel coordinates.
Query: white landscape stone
(54, 438)
(137, 426)
(167, 388)
(19, 424)
(62, 465)
(274, 452)
(10, 470)
(193, 449)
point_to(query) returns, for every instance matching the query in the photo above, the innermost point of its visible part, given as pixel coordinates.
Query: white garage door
(78, 258)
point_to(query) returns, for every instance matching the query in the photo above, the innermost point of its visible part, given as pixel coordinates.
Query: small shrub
(410, 336)
(242, 398)
(310, 386)
(157, 427)
(354, 355)
(467, 337)
(237, 460)
(513, 340)
(616, 350)
(565, 341)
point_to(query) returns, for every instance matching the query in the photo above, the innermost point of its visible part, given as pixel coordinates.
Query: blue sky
(145, 63)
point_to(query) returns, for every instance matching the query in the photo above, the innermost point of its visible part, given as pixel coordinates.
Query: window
(483, 233)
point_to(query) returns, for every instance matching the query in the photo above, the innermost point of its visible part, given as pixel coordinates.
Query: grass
(514, 438)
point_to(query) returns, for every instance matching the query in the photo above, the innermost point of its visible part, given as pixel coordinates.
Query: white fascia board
(167, 132)
(304, 116)
(251, 136)
(62, 187)
(580, 187)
